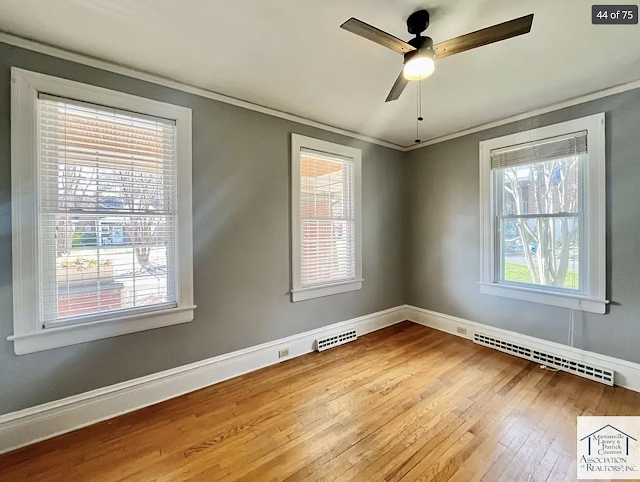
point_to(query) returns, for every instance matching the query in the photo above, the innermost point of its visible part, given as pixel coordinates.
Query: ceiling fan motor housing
(423, 45)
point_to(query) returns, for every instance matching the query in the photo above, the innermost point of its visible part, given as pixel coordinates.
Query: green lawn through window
(520, 273)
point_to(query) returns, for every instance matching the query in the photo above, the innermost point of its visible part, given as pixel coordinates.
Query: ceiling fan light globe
(418, 67)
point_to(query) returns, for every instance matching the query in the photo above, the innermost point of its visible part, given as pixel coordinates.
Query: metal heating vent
(335, 340)
(591, 372)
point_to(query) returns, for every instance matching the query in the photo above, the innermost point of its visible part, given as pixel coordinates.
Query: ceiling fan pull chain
(418, 109)
(419, 100)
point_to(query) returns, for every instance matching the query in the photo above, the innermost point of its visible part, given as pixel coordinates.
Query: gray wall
(241, 246)
(420, 231)
(443, 241)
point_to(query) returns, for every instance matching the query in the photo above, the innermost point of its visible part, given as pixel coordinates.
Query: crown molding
(599, 94)
(47, 49)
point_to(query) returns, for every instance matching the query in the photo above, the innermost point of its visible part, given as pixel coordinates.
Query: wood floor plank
(405, 403)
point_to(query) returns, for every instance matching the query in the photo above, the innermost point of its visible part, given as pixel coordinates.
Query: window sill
(325, 290)
(49, 338)
(563, 300)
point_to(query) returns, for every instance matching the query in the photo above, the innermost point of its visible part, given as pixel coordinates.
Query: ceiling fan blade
(376, 35)
(486, 36)
(398, 87)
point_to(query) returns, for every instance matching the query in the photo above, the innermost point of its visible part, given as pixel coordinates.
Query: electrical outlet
(461, 330)
(283, 353)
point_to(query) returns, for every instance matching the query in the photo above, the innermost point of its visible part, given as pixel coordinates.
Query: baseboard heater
(595, 373)
(335, 340)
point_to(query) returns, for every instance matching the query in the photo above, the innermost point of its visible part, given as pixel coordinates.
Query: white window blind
(107, 204)
(558, 147)
(327, 218)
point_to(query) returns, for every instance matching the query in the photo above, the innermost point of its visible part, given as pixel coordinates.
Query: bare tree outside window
(141, 193)
(76, 185)
(540, 223)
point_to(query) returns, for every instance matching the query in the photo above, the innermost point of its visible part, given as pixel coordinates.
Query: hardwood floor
(406, 403)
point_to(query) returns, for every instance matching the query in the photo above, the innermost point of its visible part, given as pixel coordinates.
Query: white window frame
(298, 292)
(592, 298)
(29, 334)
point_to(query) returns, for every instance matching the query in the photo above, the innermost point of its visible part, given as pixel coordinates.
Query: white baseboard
(627, 374)
(34, 424)
(41, 422)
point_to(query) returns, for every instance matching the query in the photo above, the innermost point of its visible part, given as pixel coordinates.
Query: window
(101, 202)
(326, 222)
(543, 215)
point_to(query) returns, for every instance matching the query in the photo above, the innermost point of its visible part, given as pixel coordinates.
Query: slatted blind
(107, 199)
(540, 151)
(327, 214)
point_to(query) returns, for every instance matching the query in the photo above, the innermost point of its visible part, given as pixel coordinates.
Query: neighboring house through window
(326, 234)
(543, 215)
(101, 202)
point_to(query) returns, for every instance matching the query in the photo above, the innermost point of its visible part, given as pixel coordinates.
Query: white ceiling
(292, 56)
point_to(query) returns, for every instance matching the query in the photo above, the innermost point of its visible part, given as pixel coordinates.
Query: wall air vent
(598, 374)
(335, 340)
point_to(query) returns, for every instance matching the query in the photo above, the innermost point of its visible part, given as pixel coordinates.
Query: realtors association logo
(608, 448)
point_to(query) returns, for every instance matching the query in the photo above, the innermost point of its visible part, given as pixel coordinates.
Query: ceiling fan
(420, 53)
